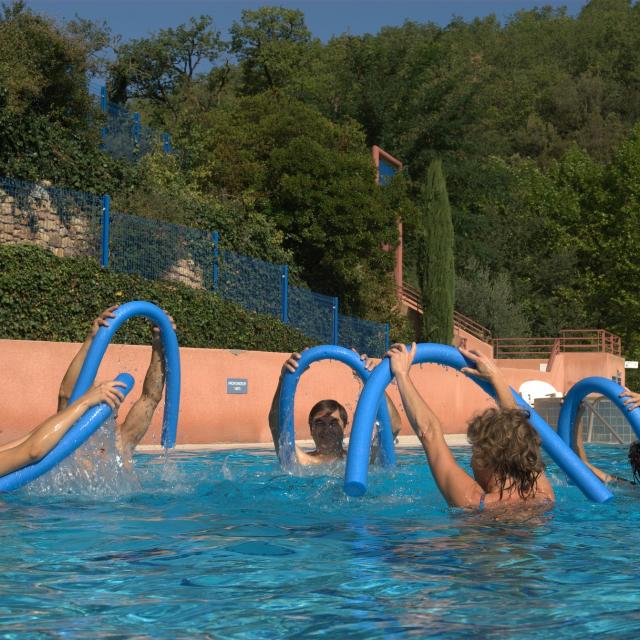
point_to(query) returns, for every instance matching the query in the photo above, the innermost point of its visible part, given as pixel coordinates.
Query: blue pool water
(224, 545)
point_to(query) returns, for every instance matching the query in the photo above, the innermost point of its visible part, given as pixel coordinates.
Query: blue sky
(138, 18)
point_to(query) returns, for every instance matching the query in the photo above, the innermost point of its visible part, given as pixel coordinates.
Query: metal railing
(592, 340)
(123, 134)
(569, 341)
(471, 326)
(538, 348)
(410, 296)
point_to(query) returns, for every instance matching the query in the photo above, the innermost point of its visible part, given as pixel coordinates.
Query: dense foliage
(535, 120)
(43, 297)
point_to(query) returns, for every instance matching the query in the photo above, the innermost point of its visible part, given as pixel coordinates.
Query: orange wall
(30, 373)
(471, 342)
(576, 366)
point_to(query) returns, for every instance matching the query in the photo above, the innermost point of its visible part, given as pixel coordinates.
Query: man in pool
(135, 425)
(505, 449)
(328, 421)
(631, 402)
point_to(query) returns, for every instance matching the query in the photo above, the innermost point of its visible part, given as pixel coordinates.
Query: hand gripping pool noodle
(77, 435)
(287, 397)
(355, 483)
(171, 353)
(579, 391)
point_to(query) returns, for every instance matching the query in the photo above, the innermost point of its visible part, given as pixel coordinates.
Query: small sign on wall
(630, 364)
(237, 386)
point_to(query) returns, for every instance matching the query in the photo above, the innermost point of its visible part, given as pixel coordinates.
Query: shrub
(43, 297)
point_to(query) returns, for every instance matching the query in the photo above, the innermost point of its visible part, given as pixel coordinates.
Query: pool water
(225, 545)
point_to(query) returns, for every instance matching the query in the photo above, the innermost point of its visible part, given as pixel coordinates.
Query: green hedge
(43, 297)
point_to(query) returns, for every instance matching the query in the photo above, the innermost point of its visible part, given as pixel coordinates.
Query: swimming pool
(224, 545)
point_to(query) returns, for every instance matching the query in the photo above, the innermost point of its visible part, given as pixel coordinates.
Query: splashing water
(96, 469)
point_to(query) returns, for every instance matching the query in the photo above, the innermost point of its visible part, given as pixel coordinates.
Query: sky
(325, 18)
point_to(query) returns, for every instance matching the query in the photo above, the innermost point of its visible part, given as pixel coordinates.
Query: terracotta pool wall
(31, 371)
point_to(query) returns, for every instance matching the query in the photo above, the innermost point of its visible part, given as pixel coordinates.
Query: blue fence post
(137, 127)
(166, 143)
(106, 230)
(336, 332)
(103, 108)
(285, 293)
(387, 338)
(215, 236)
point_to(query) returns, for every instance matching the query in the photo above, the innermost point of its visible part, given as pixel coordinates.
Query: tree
(488, 298)
(271, 44)
(156, 68)
(43, 68)
(47, 117)
(436, 261)
(313, 178)
(161, 191)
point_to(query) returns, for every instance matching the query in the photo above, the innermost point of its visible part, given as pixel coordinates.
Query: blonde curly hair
(506, 444)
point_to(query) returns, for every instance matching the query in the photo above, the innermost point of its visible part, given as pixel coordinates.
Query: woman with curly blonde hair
(505, 459)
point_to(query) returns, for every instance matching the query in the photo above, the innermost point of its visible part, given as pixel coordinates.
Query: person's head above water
(634, 460)
(327, 421)
(505, 451)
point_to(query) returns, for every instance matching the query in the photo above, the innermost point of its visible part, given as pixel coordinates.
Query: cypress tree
(435, 259)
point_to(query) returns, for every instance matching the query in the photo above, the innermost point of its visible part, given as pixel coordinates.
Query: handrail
(171, 351)
(411, 297)
(286, 449)
(569, 341)
(355, 483)
(472, 327)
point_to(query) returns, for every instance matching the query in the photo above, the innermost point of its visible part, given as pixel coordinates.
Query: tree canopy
(535, 119)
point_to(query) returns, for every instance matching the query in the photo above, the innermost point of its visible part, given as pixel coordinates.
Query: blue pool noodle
(579, 391)
(171, 353)
(287, 397)
(355, 483)
(78, 434)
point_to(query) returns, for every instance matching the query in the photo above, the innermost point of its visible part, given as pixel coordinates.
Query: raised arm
(141, 413)
(456, 485)
(396, 421)
(291, 364)
(73, 371)
(577, 445)
(486, 369)
(46, 435)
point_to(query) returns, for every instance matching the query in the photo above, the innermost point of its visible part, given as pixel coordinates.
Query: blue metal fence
(72, 223)
(65, 221)
(365, 336)
(252, 283)
(312, 313)
(123, 134)
(160, 250)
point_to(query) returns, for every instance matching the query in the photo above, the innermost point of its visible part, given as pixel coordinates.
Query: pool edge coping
(452, 439)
